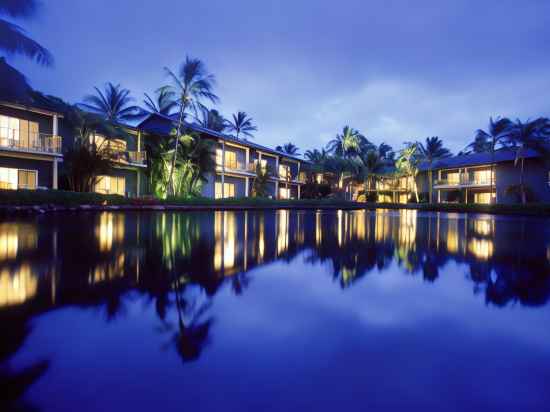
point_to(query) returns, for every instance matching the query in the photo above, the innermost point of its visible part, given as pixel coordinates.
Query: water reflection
(180, 261)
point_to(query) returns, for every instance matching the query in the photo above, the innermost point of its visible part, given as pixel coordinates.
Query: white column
(276, 189)
(247, 159)
(246, 187)
(277, 166)
(55, 125)
(299, 193)
(223, 169)
(54, 173)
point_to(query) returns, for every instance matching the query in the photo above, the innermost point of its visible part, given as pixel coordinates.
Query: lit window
(284, 171)
(483, 198)
(230, 159)
(27, 179)
(228, 192)
(284, 193)
(111, 185)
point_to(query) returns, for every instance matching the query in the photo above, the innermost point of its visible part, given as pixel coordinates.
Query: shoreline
(538, 210)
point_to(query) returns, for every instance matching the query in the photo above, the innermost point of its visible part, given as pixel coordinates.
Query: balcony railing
(31, 142)
(465, 180)
(237, 167)
(133, 157)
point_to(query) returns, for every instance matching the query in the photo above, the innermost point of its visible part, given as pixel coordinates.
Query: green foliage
(260, 184)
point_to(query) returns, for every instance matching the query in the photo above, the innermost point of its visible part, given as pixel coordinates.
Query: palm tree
(316, 156)
(242, 123)
(192, 84)
(372, 164)
(113, 103)
(386, 152)
(14, 41)
(163, 103)
(347, 143)
(429, 152)
(534, 135)
(487, 141)
(196, 160)
(211, 119)
(407, 164)
(288, 148)
(261, 181)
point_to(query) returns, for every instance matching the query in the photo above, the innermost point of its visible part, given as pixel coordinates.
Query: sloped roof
(160, 124)
(478, 159)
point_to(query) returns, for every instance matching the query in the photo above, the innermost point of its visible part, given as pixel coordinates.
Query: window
(453, 178)
(101, 142)
(482, 176)
(228, 192)
(230, 159)
(27, 179)
(8, 178)
(284, 193)
(483, 198)
(284, 171)
(111, 185)
(17, 179)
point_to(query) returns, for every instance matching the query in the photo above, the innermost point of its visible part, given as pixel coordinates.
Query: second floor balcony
(129, 157)
(466, 180)
(12, 139)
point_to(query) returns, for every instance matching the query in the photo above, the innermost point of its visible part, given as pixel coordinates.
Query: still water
(275, 311)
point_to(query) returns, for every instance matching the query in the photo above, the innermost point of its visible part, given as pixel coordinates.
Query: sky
(396, 70)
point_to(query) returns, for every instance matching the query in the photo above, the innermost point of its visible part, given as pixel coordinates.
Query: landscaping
(17, 201)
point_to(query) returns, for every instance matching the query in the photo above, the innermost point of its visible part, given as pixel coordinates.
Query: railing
(137, 157)
(31, 142)
(237, 167)
(124, 156)
(465, 180)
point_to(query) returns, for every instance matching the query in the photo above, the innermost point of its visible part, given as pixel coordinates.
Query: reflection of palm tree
(192, 335)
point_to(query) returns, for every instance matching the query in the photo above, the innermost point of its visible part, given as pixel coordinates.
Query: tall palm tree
(534, 135)
(316, 156)
(211, 119)
(163, 103)
(430, 151)
(289, 148)
(407, 164)
(191, 84)
(346, 144)
(241, 124)
(114, 103)
(372, 164)
(487, 141)
(14, 41)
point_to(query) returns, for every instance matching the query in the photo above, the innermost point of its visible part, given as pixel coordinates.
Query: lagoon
(275, 311)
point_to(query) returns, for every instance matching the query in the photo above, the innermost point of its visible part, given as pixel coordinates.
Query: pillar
(138, 183)
(277, 166)
(223, 169)
(276, 189)
(299, 192)
(54, 173)
(55, 125)
(246, 187)
(247, 159)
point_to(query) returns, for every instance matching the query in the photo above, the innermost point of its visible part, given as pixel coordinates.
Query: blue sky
(397, 70)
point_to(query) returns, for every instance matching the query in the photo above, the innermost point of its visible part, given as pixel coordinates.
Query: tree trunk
(521, 184)
(171, 187)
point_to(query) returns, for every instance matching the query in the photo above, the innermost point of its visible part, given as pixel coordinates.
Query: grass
(71, 199)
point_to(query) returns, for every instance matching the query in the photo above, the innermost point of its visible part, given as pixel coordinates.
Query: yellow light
(481, 248)
(17, 287)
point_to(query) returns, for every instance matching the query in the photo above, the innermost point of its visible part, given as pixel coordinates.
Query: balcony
(11, 139)
(236, 167)
(129, 157)
(465, 180)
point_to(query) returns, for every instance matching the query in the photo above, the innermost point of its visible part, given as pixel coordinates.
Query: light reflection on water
(181, 262)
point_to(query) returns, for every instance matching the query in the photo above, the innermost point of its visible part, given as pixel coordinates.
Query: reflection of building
(17, 285)
(225, 248)
(16, 237)
(481, 248)
(109, 230)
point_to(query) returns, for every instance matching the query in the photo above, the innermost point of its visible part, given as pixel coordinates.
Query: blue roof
(165, 124)
(477, 159)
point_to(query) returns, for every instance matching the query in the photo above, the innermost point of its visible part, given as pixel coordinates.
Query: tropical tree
(163, 102)
(346, 144)
(87, 160)
(114, 103)
(241, 123)
(211, 119)
(191, 84)
(488, 141)
(260, 184)
(288, 148)
(14, 41)
(522, 136)
(407, 164)
(316, 156)
(372, 164)
(430, 151)
(196, 160)
(386, 152)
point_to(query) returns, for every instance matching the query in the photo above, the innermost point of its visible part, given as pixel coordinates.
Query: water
(275, 311)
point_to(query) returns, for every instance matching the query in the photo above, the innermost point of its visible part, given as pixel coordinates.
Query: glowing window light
(225, 228)
(17, 287)
(318, 229)
(109, 230)
(407, 227)
(482, 227)
(339, 214)
(481, 248)
(452, 236)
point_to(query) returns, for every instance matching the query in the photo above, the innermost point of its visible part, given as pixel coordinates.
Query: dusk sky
(397, 70)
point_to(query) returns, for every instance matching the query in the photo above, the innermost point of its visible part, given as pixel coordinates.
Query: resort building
(128, 177)
(468, 178)
(237, 162)
(30, 147)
